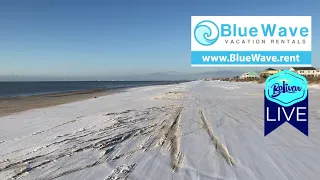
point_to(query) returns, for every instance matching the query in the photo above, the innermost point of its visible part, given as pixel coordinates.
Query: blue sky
(117, 37)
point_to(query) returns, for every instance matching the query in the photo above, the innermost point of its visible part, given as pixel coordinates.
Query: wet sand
(18, 104)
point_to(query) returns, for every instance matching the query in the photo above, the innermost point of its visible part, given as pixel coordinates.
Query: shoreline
(11, 105)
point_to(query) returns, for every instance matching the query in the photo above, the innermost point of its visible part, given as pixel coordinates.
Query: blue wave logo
(206, 33)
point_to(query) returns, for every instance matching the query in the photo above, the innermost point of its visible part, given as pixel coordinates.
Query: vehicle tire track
(40, 132)
(173, 138)
(86, 140)
(121, 172)
(218, 145)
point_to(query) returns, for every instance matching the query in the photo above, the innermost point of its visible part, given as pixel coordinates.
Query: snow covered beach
(196, 130)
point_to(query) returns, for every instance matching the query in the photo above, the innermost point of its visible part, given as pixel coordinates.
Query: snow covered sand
(197, 130)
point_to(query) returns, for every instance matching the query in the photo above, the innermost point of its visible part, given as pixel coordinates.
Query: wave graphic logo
(206, 33)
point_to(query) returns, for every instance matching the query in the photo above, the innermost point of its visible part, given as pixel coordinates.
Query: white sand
(200, 130)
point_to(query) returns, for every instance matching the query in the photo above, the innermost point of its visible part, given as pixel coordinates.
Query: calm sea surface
(14, 89)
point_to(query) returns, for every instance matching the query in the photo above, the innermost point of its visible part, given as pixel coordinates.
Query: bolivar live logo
(286, 100)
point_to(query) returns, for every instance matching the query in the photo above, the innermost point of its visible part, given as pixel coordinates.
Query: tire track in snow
(228, 114)
(237, 108)
(121, 172)
(247, 112)
(170, 136)
(39, 161)
(40, 132)
(120, 122)
(167, 134)
(231, 105)
(137, 124)
(218, 145)
(149, 141)
(173, 137)
(152, 139)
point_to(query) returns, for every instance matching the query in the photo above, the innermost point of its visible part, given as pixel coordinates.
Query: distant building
(249, 75)
(268, 72)
(306, 71)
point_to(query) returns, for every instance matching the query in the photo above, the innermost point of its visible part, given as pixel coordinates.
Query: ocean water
(14, 89)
